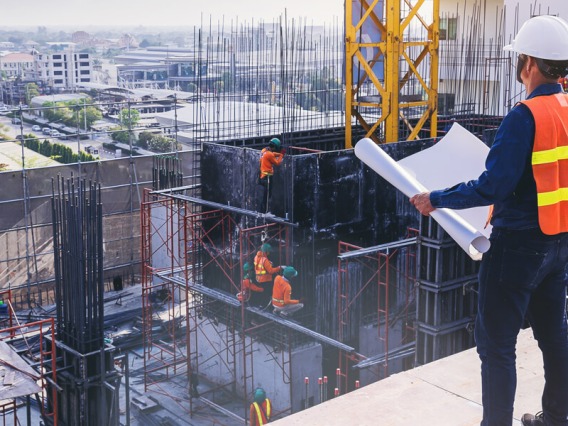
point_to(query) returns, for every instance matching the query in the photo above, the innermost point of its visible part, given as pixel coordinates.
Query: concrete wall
(121, 185)
(331, 196)
(280, 376)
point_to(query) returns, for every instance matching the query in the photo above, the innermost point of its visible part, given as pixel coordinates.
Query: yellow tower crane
(382, 56)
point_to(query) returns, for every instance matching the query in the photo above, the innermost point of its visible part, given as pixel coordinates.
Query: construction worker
(269, 157)
(265, 271)
(249, 290)
(282, 292)
(524, 275)
(260, 409)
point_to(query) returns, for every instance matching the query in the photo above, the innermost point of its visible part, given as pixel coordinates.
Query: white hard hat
(544, 37)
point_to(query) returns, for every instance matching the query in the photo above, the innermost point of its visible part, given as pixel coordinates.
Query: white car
(55, 134)
(36, 128)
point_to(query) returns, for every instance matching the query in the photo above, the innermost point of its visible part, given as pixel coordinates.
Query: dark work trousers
(523, 275)
(266, 183)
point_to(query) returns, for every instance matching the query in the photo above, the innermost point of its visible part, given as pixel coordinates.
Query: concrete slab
(444, 392)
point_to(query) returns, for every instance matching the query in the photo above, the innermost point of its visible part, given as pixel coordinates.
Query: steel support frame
(44, 362)
(192, 248)
(393, 48)
(166, 237)
(378, 261)
(250, 240)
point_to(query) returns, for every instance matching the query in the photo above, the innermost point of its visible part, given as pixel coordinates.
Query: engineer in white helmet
(524, 274)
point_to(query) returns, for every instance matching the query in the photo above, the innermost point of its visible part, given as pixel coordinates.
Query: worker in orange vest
(260, 409)
(522, 277)
(249, 290)
(281, 294)
(264, 271)
(271, 156)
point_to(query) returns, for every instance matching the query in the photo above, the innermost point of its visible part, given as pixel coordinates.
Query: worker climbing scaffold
(271, 156)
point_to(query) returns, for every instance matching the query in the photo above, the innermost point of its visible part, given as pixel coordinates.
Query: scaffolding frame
(192, 239)
(44, 362)
(378, 260)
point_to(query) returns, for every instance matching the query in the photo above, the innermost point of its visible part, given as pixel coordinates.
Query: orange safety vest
(282, 292)
(263, 274)
(261, 418)
(550, 160)
(268, 160)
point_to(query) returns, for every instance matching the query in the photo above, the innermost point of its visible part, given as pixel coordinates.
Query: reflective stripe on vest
(550, 160)
(259, 414)
(259, 265)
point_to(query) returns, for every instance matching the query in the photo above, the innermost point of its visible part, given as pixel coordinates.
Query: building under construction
(119, 277)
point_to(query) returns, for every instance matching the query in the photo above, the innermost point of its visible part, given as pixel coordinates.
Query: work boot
(533, 419)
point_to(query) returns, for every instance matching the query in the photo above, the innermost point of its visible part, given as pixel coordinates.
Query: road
(70, 141)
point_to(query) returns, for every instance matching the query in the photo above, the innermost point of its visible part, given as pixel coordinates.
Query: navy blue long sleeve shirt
(507, 182)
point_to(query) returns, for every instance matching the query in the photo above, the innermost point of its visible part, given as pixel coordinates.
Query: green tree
(32, 90)
(160, 144)
(144, 139)
(129, 117)
(120, 136)
(57, 112)
(84, 116)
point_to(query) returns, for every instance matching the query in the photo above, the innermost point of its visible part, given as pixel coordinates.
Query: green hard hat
(247, 267)
(275, 143)
(266, 248)
(290, 272)
(259, 395)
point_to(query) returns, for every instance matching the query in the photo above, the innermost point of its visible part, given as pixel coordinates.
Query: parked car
(55, 134)
(16, 120)
(46, 131)
(36, 128)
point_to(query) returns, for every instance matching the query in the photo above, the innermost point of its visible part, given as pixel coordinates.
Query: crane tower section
(391, 68)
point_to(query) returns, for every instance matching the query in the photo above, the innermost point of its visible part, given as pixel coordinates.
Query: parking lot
(15, 128)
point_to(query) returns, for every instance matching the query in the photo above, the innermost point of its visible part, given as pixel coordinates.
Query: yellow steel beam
(393, 49)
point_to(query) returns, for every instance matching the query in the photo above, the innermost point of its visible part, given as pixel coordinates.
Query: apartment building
(15, 65)
(63, 70)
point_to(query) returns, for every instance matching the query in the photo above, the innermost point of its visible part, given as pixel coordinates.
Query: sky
(73, 13)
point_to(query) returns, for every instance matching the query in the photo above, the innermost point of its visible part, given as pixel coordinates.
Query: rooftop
(446, 392)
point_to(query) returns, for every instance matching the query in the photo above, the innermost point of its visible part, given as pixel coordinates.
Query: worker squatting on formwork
(281, 294)
(270, 156)
(265, 272)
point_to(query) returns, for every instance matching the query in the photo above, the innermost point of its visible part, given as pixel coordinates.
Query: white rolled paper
(473, 242)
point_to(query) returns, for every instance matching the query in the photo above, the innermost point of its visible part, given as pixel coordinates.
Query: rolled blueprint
(473, 242)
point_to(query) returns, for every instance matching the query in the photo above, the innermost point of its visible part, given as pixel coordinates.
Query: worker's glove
(283, 151)
(282, 267)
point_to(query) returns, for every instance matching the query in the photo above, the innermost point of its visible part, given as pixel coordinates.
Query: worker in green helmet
(265, 272)
(260, 409)
(282, 293)
(249, 290)
(271, 156)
